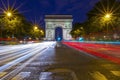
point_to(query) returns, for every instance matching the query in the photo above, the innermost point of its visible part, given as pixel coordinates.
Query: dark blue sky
(35, 10)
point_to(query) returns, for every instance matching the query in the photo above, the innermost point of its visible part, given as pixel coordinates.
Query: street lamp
(35, 30)
(107, 18)
(35, 27)
(42, 31)
(0, 30)
(9, 14)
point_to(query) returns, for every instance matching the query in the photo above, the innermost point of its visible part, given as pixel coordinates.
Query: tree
(36, 32)
(96, 16)
(24, 28)
(15, 25)
(77, 30)
(103, 19)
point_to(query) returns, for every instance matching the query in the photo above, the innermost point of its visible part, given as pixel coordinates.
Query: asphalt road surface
(54, 61)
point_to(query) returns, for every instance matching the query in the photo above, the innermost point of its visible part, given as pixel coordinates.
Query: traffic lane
(15, 52)
(11, 61)
(101, 50)
(98, 66)
(31, 55)
(65, 58)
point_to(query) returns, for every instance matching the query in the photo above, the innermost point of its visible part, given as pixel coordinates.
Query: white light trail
(36, 48)
(39, 50)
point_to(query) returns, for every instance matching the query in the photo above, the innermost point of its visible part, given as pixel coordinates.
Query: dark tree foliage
(77, 30)
(96, 22)
(105, 6)
(16, 25)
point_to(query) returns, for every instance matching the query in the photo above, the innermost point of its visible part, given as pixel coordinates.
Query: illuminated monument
(58, 27)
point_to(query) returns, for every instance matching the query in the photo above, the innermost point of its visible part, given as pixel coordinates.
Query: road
(53, 61)
(106, 50)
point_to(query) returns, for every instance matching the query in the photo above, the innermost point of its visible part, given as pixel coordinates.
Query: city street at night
(54, 61)
(59, 39)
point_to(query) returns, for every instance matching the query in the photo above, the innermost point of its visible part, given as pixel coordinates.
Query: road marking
(2, 74)
(116, 73)
(98, 76)
(45, 76)
(58, 73)
(21, 76)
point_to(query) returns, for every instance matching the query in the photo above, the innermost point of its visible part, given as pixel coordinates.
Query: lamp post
(35, 30)
(0, 30)
(41, 31)
(9, 14)
(107, 18)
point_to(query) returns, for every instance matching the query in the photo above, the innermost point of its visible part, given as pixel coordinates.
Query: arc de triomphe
(54, 21)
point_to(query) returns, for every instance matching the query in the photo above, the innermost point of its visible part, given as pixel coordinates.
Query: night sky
(35, 10)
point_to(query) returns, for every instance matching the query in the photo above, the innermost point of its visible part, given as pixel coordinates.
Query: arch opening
(58, 33)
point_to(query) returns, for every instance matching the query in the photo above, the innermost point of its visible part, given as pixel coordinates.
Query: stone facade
(53, 21)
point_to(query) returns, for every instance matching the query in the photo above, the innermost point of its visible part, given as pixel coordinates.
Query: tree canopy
(104, 16)
(17, 26)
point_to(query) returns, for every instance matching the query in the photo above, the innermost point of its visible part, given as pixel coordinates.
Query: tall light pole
(42, 32)
(107, 18)
(0, 30)
(9, 14)
(35, 30)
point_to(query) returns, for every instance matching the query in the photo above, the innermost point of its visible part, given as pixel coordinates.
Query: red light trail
(106, 51)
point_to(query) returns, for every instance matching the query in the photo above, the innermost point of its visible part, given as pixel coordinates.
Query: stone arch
(53, 21)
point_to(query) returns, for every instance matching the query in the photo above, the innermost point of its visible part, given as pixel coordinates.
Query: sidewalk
(106, 51)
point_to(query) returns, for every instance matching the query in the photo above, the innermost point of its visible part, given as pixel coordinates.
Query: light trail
(25, 52)
(13, 54)
(22, 56)
(15, 49)
(17, 56)
(34, 50)
(18, 60)
(106, 51)
(11, 49)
